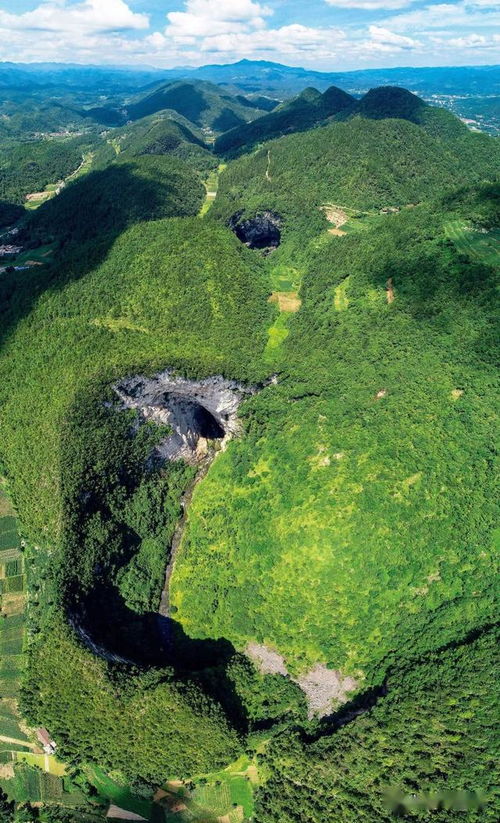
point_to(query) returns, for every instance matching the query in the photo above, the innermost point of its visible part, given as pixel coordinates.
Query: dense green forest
(348, 528)
(214, 325)
(29, 167)
(311, 109)
(166, 133)
(379, 434)
(87, 215)
(426, 749)
(298, 174)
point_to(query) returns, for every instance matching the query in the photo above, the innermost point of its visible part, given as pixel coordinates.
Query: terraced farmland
(13, 736)
(12, 602)
(25, 773)
(480, 244)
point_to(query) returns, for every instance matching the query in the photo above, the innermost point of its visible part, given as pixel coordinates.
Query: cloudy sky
(323, 34)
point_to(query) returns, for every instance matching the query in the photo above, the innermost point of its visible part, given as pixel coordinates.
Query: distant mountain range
(259, 76)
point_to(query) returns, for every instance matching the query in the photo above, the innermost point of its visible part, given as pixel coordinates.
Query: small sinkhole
(260, 232)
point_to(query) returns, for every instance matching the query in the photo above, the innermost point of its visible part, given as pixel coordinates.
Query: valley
(248, 404)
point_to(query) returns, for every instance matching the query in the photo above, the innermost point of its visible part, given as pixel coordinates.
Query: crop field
(9, 538)
(480, 244)
(9, 721)
(47, 763)
(12, 584)
(12, 601)
(38, 786)
(116, 793)
(225, 796)
(36, 257)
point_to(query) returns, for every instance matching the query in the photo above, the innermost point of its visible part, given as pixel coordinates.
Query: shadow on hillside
(183, 98)
(83, 222)
(9, 214)
(108, 627)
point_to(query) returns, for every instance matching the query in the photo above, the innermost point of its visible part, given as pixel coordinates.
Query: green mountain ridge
(204, 104)
(312, 109)
(309, 109)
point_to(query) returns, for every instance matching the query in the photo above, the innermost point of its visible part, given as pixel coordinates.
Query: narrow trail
(212, 187)
(268, 169)
(16, 742)
(164, 609)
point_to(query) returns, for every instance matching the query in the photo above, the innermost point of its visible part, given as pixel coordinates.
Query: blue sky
(322, 34)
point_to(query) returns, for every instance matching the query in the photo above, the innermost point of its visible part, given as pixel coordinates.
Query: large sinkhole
(196, 412)
(260, 232)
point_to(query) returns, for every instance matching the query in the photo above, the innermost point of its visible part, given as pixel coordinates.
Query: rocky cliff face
(196, 411)
(260, 232)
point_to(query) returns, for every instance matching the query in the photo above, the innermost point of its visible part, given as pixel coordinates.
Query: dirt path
(268, 169)
(41, 196)
(390, 290)
(17, 742)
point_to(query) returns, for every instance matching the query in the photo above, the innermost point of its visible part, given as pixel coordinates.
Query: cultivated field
(12, 601)
(480, 244)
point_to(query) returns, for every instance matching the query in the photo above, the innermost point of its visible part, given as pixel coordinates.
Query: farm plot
(225, 797)
(9, 721)
(12, 602)
(480, 244)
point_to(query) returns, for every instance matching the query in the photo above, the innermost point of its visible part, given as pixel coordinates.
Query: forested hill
(204, 104)
(161, 134)
(87, 214)
(298, 174)
(311, 108)
(299, 114)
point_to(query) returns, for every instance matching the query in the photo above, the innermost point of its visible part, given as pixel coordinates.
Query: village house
(44, 738)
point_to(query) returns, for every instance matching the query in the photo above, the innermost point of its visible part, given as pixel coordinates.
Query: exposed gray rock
(267, 660)
(260, 232)
(196, 411)
(325, 689)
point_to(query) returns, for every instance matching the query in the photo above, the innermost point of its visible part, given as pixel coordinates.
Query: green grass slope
(204, 104)
(303, 112)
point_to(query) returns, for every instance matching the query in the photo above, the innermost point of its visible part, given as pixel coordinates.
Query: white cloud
(371, 5)
(206, 18)
(111, 31)
(87, 17)
(381, 35)
(289, 40)
(474, 41)
(445, 16)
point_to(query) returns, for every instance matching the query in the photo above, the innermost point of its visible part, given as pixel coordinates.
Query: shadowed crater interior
(260, 232)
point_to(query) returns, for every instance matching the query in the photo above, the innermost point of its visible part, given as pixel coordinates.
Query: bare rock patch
(266, 660)
(325, 689)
